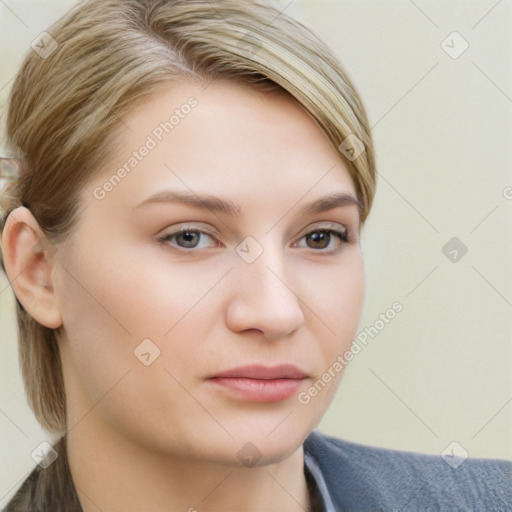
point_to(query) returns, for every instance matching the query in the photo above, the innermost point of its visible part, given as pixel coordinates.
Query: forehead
(224, 138)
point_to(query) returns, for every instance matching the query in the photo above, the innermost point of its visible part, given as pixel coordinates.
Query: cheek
(335, 297)
(116, 293)
(107, 311)
(110, 303)
(336, 304)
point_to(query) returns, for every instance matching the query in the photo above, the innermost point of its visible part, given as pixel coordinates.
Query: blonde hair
(103, 57)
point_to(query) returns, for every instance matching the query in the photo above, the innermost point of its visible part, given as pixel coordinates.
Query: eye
(325, 239)
(188, 238)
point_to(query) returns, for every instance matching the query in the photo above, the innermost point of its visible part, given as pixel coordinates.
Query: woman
(183, 243)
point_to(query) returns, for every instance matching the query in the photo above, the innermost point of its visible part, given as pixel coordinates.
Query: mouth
(257, 383)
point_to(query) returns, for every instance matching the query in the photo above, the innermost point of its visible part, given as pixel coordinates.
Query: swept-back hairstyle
(104, 57)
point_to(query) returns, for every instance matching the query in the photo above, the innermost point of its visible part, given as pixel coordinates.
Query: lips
(282, 371)
(258, 383)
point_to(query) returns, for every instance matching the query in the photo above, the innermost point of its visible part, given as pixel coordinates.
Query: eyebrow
(228, 207)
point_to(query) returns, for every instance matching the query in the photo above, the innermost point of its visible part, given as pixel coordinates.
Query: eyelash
(343, 236)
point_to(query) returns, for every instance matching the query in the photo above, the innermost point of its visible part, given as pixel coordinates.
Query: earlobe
(29, 263)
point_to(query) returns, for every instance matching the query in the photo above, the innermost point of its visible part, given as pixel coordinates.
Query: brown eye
(318, 239)
(325, 239)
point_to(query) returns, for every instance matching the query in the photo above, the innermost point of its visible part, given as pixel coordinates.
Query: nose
(263, 300)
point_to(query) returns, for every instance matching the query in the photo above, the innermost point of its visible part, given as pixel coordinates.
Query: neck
(113, 473)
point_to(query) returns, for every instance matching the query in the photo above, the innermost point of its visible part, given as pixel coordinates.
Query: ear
(28, 259)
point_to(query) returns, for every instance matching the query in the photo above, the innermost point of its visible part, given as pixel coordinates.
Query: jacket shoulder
(361, 477)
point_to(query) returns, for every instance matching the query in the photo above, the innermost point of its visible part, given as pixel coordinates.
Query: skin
(162, 437)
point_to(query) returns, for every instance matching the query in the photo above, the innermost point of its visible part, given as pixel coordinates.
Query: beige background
(441, 370)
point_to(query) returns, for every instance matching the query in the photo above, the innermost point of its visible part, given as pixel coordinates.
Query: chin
(251, 445)
(271, 442)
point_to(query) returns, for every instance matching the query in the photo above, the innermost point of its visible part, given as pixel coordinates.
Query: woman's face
(197, 343)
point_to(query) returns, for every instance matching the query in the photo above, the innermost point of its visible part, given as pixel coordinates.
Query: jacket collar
(313, 469)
